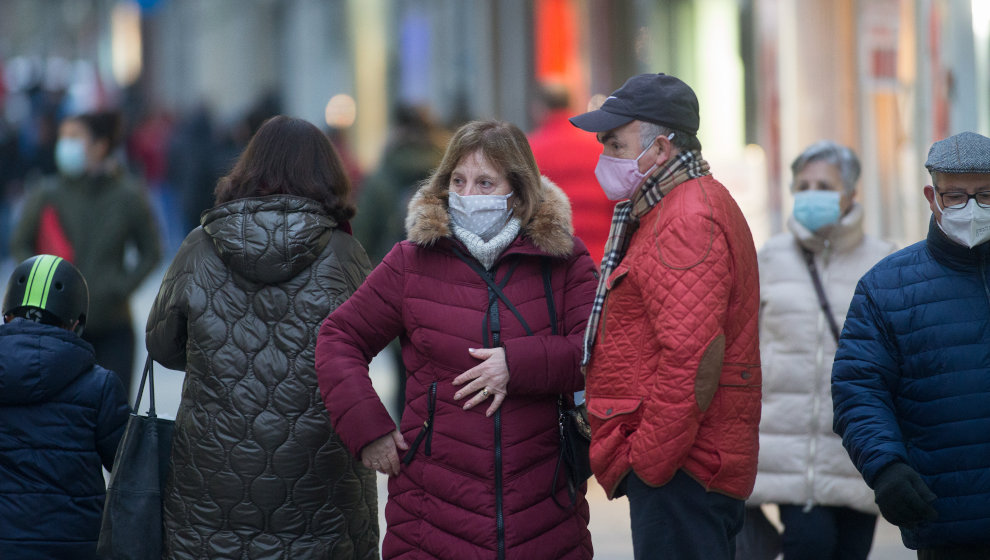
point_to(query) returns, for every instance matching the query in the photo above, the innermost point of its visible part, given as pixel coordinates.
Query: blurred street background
(195, 78)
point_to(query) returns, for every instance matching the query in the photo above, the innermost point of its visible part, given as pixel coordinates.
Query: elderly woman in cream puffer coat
(825, 506)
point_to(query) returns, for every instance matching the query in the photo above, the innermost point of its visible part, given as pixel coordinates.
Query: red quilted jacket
(674, 380)
(475, 484)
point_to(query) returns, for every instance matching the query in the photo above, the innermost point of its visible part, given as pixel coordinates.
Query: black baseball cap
(655, 98)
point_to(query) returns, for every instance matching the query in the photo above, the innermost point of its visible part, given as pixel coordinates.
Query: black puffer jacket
(257, 472)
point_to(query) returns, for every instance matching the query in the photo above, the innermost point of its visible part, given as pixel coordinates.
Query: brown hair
(290, 156)
(505, 146)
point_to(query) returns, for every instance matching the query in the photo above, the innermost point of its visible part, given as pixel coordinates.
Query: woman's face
(474, 174)
(823, 176)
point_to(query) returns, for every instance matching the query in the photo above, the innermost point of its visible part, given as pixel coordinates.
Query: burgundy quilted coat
(674, 379)
(256, 471)
(477, 486)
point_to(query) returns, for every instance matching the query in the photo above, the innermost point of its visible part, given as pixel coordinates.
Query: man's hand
(903, 497)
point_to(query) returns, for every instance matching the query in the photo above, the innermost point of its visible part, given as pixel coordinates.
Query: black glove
(903, 497)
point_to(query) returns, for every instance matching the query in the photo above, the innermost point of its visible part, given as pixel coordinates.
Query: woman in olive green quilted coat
(256, 470)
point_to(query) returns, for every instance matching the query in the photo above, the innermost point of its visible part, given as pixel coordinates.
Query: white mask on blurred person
(969, 225)
(482, 214)
(70, 156)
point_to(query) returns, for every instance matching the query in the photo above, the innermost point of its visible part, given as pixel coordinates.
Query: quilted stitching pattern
(257, 472)
(910, 383)
(689, 277)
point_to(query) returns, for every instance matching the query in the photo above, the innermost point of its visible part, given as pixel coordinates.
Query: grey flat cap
(966, 152)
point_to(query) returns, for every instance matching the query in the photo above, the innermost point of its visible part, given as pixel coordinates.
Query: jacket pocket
(606, 408)
(613, 421)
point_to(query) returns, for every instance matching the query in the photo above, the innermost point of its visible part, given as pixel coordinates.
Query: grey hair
(843, 158)
(649, 132)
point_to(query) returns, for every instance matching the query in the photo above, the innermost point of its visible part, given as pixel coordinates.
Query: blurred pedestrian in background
(473, 467)
(807, 278)
(671, 351)
(256, 469)
(61, 416)
(95, 215)
(411, 153)
(567, 156)
(911, 378)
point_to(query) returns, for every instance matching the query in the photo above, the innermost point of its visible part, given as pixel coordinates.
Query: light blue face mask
(816, 209)
(70, 156)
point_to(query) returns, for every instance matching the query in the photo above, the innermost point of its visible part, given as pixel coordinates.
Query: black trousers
(826, 533)
(681, 520)
(115, 351)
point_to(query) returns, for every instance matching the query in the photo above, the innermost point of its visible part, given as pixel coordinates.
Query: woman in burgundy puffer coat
(474, 460)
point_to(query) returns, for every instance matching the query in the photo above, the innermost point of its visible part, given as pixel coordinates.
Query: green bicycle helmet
(48, 289)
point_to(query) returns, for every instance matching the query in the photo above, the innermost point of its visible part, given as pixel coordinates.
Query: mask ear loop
(646, 149)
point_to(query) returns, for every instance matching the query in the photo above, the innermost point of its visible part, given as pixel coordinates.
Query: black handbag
(575, 440)
(131, 528)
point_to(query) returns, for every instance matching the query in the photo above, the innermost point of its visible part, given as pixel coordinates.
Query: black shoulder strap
(548, 289)
(809, 258)
(475, 266)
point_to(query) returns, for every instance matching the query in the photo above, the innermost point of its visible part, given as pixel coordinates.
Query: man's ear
(930, 196)
(665, 152)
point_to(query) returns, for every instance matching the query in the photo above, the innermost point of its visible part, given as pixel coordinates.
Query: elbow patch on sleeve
(709, 372)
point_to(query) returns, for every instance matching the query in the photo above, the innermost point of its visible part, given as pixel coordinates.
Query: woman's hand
(490, 378)
(382, 454)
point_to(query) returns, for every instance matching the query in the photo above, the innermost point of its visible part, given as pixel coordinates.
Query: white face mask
(969, 225)
(619, 177)
(70, 156)
(482, 214)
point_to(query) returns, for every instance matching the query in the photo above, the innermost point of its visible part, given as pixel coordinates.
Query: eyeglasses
(959, 199)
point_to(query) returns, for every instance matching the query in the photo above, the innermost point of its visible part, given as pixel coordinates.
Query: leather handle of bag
(149, 376)
(809, 258)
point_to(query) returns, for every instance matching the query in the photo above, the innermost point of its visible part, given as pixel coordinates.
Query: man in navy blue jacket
(911, 377)
(61, 416)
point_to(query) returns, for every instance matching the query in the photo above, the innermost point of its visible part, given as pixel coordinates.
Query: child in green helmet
(61, 416)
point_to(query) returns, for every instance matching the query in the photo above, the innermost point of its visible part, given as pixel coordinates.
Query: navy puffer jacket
(911, 381)
(61, 418)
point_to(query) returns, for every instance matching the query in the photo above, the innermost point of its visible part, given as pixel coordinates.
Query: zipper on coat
(496, 332)
(983, 275)
(499, 516)
(427, 430)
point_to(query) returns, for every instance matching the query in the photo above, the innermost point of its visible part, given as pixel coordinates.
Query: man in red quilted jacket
(671, 351)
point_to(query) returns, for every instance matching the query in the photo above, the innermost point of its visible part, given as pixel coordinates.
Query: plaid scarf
(625, 220)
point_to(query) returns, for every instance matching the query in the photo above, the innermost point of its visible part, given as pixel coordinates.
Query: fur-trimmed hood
(550, 229)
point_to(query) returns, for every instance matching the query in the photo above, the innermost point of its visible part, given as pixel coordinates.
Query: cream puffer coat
(802, 460)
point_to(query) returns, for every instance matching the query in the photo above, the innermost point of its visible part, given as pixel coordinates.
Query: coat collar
(952, 254)
(550, 229)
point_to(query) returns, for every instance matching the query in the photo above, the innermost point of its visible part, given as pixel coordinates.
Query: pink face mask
(619, 177)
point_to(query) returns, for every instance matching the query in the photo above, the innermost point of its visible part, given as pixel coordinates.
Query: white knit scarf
(487, 251)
